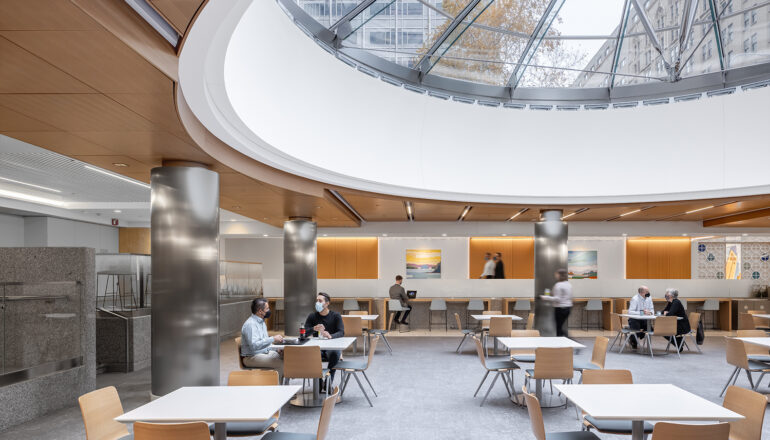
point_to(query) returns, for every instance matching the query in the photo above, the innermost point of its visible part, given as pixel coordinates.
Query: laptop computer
(411, 294)
(293, 341)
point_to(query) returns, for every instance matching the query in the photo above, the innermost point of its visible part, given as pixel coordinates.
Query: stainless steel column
(185, 276)
(550, 255)
(299, 272)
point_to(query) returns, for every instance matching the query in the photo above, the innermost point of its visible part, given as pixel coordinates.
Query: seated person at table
(255, 342)
(326, 324)
(397, 292)
(641, 304)
(676, 308)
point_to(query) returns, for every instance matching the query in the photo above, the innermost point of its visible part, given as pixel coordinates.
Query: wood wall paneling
(345, 257)
(518, 254)
(134, 241)
(658, 258)
(636, 259)
(367, 258)
(523, 253)
(325, 258)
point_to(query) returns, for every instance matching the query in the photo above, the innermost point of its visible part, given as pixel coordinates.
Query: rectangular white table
(644, 402)
(765, 342)
(217, 405)
(365, 317)
(313, 399)
(486, 317)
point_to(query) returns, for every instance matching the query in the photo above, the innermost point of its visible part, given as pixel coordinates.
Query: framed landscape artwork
(583, 265)
(423, 263)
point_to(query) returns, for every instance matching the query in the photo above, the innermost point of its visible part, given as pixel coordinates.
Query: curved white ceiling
(262, 86)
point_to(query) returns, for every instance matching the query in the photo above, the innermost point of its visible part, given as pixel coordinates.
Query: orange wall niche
(518, 255)
(347, 257)
(658, 258)
(134, 240)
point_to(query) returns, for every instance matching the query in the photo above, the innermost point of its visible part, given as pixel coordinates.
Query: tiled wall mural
(755, 261)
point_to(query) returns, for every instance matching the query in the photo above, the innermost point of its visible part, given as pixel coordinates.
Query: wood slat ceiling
(103, 92)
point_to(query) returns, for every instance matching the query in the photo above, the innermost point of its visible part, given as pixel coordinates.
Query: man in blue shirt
(255, 341)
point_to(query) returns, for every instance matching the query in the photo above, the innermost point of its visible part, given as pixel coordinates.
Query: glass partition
(40, 328)
(239, 278)
(123, 281)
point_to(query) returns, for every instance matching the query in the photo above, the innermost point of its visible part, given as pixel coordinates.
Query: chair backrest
(372, 350)
(749, 404)
(530, 321)
(665, 326)
(480, 351)
(499, 327)
(624, 319)
(753, 348)
(553, 363)
(524, 334)
(599, 353)
(99, 409)
(615, 323)
(746, 321)
(326, 414)
(302, 361)
(437, 304)
(522, 304)
(364, 324)
(694, 319)
(711, 305)
(475, 304)
(607, 377)
(350, 304)
(238, 352)
(353, 325)
(485, 322)
(684, 304)
(253, 378)
(458, 321)
(758, 322)
(678, 431)
(394, 305)
(735, 352)
(171, 431)
(279, 304)
(594, 304)
(535, 415)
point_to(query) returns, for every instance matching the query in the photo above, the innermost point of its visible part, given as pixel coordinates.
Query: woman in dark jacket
(675, 308)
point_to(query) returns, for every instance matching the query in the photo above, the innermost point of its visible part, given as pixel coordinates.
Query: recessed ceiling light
(30, 184)
(684, 235)
(236, 207)
(625, 235)
(120, 164)
(264, 235)
(745, 235)
(264, 218)
(443, 235)
(135, 182)
(30, 198)
(504, 235)
(384, 235)
(117, 211)
(326, 235)
(317, 207)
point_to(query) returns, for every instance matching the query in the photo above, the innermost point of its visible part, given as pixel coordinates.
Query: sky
(588, 17)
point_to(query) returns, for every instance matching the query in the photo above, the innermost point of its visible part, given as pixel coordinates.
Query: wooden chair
(746, 322)
(498, 327)
(323, 423)
(394, 306)
(238, 353)
(501, 367)
(749, 404)
(251, 378)
(753, 351)
(303, 362)
(350, 368)
(677, 431)
(364, 324)
(171, 431)
(528, 354)
(598, 356)
(610, 377)
(538, 427)
(735, 353)
(621, 331)
(465, 332)
(353, 329)
(694, 319)
(99, 409)
(665, 326)
(759, 323)
(550, 364)
(485, 322)
(530, 322)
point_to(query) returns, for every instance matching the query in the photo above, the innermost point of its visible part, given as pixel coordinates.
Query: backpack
(699, 335)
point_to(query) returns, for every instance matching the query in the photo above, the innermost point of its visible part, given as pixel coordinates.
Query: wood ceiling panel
(70, 112)
(598, 214)
(437, 212)
(374, 209)
(763, 222)
(145, 143)
(178, 12)
(158, 108)
(60, 142)
(484, 213)
(11, 120)
(673, 211)
(23, 72)
(751, 204)
(30, 15)
(134, 167)
(96, 58)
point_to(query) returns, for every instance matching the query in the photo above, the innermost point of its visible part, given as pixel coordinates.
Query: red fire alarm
(114, 222)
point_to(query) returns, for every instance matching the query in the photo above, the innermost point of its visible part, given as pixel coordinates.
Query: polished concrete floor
(426, 391)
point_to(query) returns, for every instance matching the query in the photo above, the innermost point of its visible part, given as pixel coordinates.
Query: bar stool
(394, 306)
(279, 308)
(350, 305)
(437, 305)
(710, 305)
(593, 305)
(474, 305)
(522, 305)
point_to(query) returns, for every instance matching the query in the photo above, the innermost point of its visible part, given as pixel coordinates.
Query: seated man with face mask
(326, 324)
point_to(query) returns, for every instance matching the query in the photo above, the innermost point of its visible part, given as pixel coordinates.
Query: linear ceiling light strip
(347, 205)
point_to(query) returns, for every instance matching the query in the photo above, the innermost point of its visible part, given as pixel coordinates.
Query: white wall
(11, 231)
(454, 280)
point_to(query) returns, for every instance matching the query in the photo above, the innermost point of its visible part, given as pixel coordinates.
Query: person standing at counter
(499, 267)
(398, 292)
(326, 324)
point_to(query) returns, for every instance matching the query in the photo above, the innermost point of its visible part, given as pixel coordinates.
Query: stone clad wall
(27, 320)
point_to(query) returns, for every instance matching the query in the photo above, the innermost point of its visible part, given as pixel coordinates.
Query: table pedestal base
(549, 400)
(220, 431)
(637, 430)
